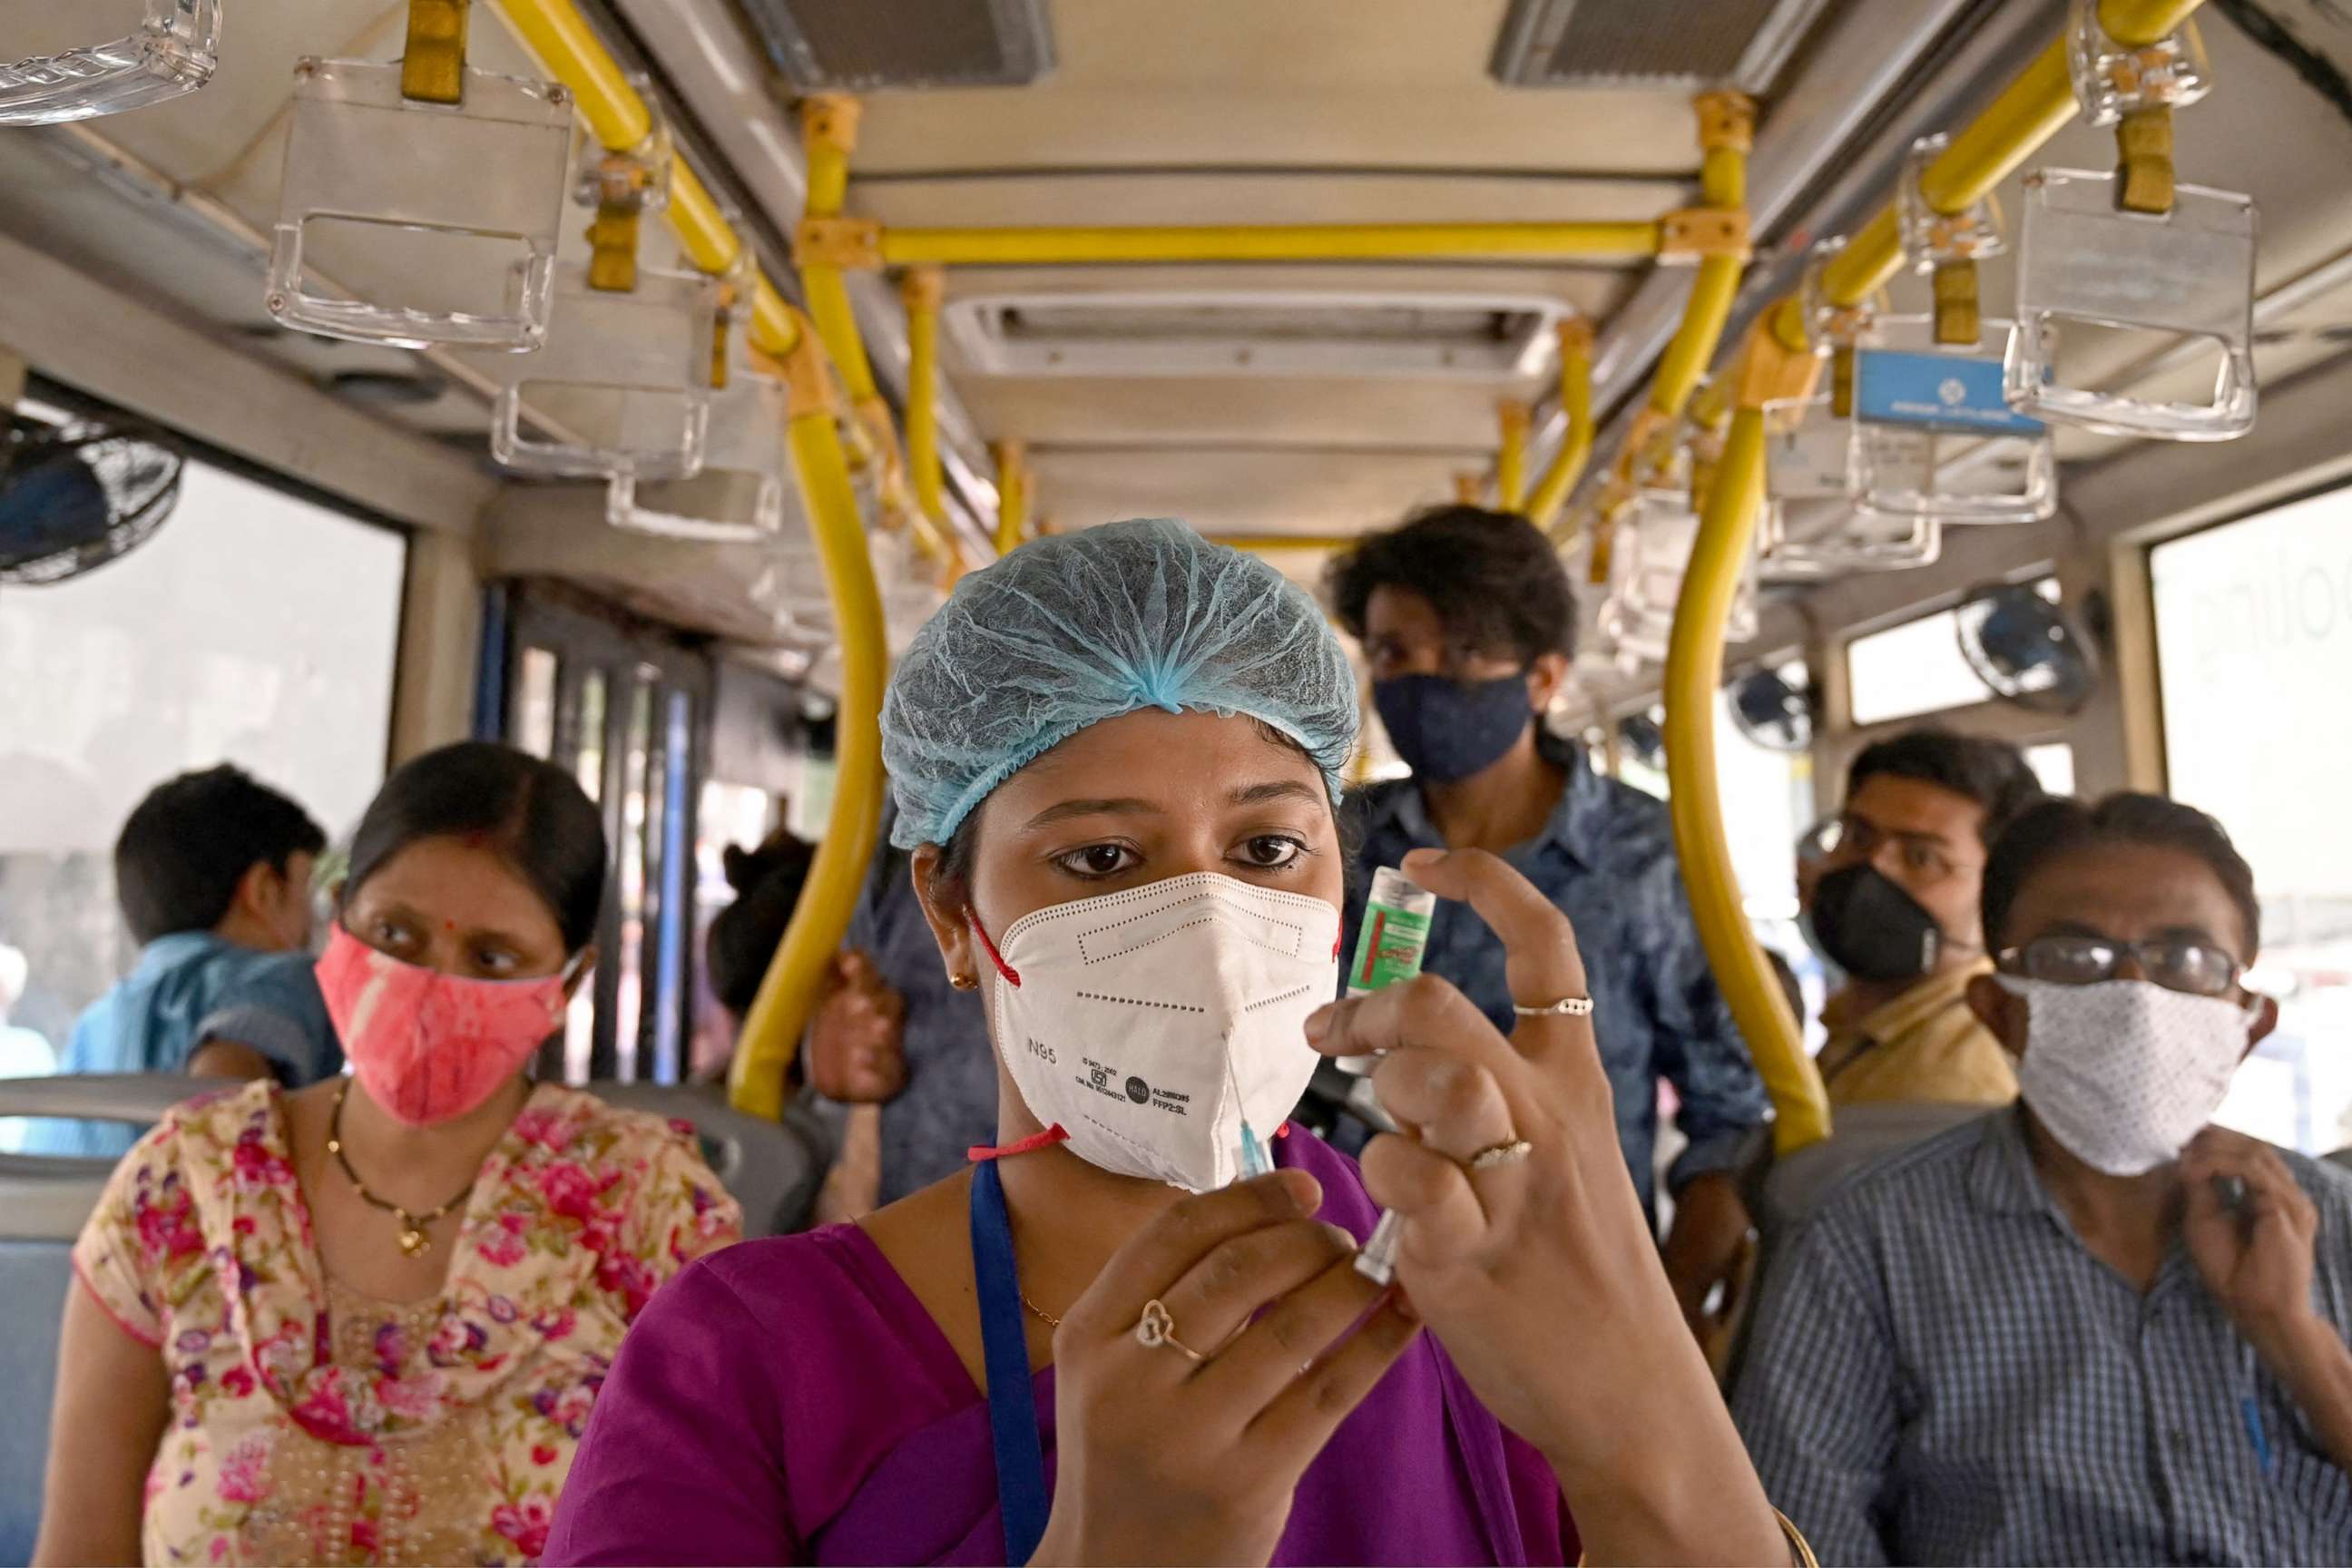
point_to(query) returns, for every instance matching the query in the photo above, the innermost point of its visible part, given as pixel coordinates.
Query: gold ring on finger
(1566, 1007)
(1501, 1155)
(1156, 1328)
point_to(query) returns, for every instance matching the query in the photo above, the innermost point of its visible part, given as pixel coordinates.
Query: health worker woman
(1117, 755)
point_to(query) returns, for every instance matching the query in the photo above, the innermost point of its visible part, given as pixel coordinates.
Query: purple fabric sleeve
(680, 1461)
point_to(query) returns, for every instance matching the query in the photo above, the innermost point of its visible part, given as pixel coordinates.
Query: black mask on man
(1872, 928)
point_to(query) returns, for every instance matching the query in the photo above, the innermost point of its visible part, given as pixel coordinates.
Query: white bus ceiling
(1376, 384)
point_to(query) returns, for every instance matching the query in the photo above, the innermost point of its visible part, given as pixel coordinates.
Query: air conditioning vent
(1687, 44)
(857, 46)
(1499, 338)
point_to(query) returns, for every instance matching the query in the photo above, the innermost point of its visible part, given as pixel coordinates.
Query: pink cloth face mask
(428, 1047)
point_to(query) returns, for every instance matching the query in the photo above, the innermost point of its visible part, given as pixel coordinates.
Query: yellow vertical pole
(1576, 402)
(921, 291)
(1511, 462)
(829, 135)
(772, 1029)
(1694, 799)
(1011, 495)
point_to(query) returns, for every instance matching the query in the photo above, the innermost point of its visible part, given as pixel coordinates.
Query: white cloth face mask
(2124, 1073)
(1153, 1024)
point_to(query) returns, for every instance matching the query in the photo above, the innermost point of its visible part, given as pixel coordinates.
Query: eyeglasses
(2176, 965)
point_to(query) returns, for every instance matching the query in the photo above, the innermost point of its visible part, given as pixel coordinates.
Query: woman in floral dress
(365, 1321)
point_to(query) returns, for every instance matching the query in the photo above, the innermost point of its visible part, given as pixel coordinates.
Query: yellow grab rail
(1511, 461)
(1275, 242)
(771, 1031)
(1012, 496)
(1695, 801)
(1567, 464)
(921, 291)
(1777, 362)
(1727, 130)
(2030, 111)
(1275, 543)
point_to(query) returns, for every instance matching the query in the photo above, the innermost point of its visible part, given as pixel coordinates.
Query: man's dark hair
(188, 845)
(1494, 579)
(1993, 773)
(2055, 827)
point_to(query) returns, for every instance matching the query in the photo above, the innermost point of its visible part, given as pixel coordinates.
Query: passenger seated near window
(1467, 621)
(365, 1321)
(212, 872)
(2089, 1328)
(1117, 755)
(1897, 907)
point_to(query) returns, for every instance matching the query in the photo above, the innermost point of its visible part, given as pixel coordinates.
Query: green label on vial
(1388, 948)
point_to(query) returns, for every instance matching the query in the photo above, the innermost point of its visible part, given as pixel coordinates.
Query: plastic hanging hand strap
(1021, 1492)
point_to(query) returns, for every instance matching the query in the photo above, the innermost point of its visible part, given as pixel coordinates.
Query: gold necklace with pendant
(413, 1237)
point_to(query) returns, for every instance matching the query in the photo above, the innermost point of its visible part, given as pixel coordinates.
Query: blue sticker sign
(1936, 391)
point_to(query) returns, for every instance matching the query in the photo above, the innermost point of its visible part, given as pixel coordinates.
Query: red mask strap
(994, 957)
(1046, 1139)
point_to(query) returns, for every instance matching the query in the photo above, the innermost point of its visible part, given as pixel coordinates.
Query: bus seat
(773, 1169)
(1793, 1186)
(43, 1202)
(1796, 1184)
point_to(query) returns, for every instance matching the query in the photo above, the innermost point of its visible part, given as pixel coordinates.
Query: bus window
(1916, 668)
(256, 627)
(2253, 624)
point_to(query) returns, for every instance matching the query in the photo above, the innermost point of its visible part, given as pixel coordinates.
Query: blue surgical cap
(1070, 630)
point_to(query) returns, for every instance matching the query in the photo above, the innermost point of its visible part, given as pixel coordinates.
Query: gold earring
(964, 982)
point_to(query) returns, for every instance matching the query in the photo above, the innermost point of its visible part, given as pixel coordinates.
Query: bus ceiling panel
(1691, 44)
(558, 530)
(1095, 197)
(1351, 414)
(1255, 492)
(1242, 83)
(1490, 339)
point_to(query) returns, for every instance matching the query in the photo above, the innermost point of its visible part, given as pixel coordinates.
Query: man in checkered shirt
(2082, 1329)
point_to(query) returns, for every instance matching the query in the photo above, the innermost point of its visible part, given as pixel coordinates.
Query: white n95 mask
(1153, 1025)
(2124, 1073)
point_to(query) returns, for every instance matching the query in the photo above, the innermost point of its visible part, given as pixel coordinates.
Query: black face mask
(1872, 928)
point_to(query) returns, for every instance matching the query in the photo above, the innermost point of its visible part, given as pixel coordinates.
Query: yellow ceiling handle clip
(621, 186)
(433, 61)
(1695, 234)
(1947, 245)
(851, 244)
(2135, 89)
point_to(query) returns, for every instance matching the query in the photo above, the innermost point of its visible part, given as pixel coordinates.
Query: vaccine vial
(1390, 944)
(1389, 948)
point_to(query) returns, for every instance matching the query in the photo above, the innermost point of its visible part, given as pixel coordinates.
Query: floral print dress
(311, 1425)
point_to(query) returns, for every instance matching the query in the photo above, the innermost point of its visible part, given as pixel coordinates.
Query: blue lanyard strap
(1005, 1353)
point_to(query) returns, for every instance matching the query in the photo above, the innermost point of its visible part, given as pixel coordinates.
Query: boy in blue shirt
(212, 871)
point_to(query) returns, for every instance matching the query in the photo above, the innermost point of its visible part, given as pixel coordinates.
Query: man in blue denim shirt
(212, 871)
(1467, 622)
(891, 1031)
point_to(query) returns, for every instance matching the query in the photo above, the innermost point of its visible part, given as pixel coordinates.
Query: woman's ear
(946, 909)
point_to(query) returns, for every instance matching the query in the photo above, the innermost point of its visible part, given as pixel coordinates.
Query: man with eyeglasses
(2090, 1327)
(1891, 892)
